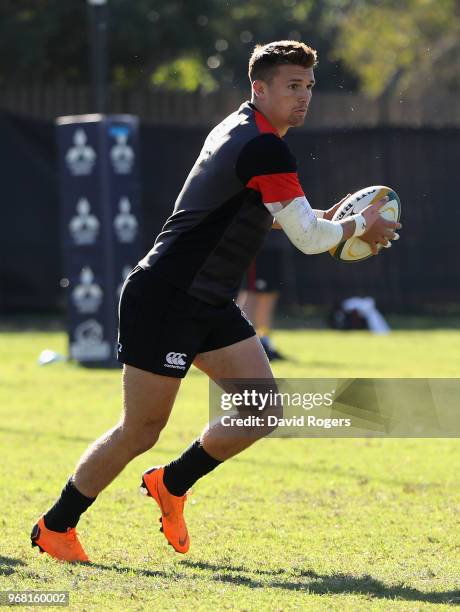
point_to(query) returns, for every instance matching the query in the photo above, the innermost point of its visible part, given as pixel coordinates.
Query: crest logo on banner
(87, 296)
(84, 226)
(121, 154)
(81, 157)
(89, 343)
(125, 223)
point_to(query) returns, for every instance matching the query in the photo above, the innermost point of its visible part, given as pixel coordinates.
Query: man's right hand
(379, 230)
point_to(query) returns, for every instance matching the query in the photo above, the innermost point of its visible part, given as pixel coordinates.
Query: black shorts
(265, 275)
(162, 328)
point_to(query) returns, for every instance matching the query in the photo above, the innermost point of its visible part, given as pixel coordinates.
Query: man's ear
(259, 89)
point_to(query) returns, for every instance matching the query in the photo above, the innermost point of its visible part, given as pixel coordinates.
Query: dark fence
(421, 271)
(328, 110)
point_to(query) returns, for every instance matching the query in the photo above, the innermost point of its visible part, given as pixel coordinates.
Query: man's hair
(265, 59)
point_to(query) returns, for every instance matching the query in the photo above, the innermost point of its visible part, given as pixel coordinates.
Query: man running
(177, 306)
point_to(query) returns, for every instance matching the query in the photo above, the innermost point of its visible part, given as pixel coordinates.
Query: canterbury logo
(175, 360)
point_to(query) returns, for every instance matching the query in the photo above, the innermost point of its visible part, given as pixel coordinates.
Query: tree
(415, 44)
(201, 44)
(42, 39)
(181, 44)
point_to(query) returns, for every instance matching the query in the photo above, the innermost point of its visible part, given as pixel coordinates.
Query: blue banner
(100, 226)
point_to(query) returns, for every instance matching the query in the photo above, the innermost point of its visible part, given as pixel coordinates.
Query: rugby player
(177, 306)
(260, 293)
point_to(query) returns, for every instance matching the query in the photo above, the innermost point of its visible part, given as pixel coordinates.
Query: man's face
(285, 99)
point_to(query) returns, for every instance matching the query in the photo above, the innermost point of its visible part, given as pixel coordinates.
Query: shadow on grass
(306, 581)
(44, 434)
(33, 433)
(334, 471)
(136, 571)
(230, 568)
(311, 582)
(17, 431)
(8, 565)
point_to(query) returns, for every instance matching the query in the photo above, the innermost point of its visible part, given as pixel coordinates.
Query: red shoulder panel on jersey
(277, 187)
(263, 124)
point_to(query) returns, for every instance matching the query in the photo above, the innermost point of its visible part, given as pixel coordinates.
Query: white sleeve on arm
(308, 233)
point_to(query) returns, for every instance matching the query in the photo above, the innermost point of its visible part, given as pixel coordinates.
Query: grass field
(358, 524)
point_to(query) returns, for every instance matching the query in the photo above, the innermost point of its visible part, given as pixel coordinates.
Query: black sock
(68, 508)
(183, 472)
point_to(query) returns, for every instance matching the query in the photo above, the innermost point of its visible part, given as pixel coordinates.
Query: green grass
(341, 524)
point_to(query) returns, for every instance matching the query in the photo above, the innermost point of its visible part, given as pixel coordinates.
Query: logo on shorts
(175, 360)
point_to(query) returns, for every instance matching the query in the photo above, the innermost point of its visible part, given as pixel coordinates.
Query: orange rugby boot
(62, 546)
(172, 507)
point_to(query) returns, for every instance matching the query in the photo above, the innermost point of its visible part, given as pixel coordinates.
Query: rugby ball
(354, 249)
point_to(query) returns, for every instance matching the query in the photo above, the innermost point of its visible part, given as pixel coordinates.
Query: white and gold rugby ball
(354, 249)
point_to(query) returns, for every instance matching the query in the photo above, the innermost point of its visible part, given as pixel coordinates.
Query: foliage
(178, 43)
(416, 43)
(202, 44)
(184, 73)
